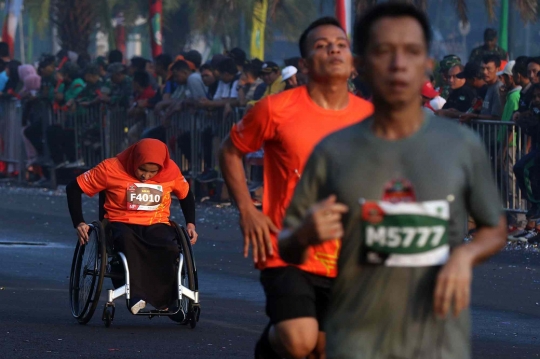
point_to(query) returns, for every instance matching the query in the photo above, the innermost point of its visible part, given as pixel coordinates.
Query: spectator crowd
(490, 86)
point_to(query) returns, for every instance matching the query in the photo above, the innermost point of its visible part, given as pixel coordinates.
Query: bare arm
(256, 227)
(453, 287)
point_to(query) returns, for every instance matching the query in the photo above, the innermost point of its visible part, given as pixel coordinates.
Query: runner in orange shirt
(138, 184)
(288, 126)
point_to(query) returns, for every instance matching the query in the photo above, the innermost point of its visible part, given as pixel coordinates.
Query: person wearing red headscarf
(138, 184)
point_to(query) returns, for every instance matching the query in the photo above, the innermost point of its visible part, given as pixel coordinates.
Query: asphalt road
(36, 322)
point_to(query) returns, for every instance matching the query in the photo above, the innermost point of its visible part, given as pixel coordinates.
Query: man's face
(47, 70)
(490, 72)
(208, 77)
(396, 61)
(292, 82)
(91, 79)
(161, 71)
(536, 97)
(453, 81)
(328, 54)
(226, 77)
(270, 77)
(491, 43)
(477, 82)
(180, 76)
(532, 72)
(150, 68)
(508, 81)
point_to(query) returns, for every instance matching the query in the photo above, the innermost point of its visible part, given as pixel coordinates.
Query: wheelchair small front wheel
(107, 318)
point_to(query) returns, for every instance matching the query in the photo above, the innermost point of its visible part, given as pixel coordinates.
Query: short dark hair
(362, 28)
(46, 60)
(194, 57)
(461, 67)
(115, 56)
(4, 49)
(520, 67)
(486, 59)
(206, 67)
(323, 21)
(490, 34)
(139, 63)
(238, 55)
(180, 65)
(227, 66)
(164, 60)
(70, 69)
(535, 60)
(91, 69)
(84, 60)
(535, 87)
(142, 78)
(251, 69)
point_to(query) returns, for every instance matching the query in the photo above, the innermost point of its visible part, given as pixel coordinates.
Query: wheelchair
(97, 260)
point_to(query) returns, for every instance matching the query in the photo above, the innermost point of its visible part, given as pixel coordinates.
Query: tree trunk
(75, 21)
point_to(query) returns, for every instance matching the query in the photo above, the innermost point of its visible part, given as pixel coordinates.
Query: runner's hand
(323, 221)
(82, 233)
(453, 287)
(190, 228)
(256, 228)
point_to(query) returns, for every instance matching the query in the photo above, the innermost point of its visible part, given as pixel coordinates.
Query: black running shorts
(293, 293)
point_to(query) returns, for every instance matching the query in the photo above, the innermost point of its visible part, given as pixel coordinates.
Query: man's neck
(525, 85)
(395, 125)
(6, 59)
(329, 95)
(492, 82)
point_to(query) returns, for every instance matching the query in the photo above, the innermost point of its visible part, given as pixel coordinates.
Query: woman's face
(146, 171)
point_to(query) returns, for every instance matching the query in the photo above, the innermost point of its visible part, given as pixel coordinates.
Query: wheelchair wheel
(87, 273)
(189, 277)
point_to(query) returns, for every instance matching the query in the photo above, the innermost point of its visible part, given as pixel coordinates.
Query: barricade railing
(84, 136)
(506, 144)
(11, 144)
(87, 135)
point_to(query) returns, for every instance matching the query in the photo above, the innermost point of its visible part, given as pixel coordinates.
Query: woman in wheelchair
(138, 184)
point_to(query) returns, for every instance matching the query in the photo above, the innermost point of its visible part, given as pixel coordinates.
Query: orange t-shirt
(149, 202)
(289, 125)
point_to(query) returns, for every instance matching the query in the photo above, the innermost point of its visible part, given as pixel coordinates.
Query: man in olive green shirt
(396, 188)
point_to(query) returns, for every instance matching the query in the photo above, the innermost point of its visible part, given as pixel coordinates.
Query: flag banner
(257, 34)
(156, 10)
(13, 11)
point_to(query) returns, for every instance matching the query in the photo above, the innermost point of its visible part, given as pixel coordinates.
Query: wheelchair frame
(98, 266)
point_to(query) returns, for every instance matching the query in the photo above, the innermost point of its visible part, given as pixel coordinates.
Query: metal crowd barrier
(87, 135)
(11, 145)
(506, 144)
(84, 136)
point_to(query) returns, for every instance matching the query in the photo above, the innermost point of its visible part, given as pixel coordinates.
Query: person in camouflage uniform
(119, 87)
(490, 47)
(446, 64)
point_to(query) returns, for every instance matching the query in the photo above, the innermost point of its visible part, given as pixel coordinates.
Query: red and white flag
(344, 15)
(9, 29)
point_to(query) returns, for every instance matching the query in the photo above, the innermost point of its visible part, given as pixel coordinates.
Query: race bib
(144, 197)
(405, 234)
